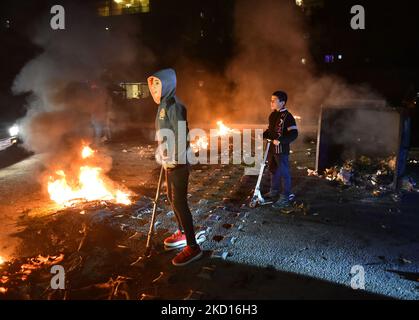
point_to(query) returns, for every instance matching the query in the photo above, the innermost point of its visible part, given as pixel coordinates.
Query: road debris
(220, 254)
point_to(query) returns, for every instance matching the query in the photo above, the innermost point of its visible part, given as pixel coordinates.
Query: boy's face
(276, 104)
(155, 87)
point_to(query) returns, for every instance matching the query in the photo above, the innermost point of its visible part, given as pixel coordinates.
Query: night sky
(384, 55)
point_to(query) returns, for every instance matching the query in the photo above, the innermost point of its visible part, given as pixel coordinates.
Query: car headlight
(14, 131)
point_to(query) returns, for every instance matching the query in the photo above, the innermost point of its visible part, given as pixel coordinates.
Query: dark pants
(280, 172)
(177, 194)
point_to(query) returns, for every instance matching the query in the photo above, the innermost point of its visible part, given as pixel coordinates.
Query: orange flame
(224, 130)
(87, 152)
(2, 260)
(90, 186)
(200, 144)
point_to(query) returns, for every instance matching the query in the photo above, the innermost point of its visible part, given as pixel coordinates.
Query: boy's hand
(276, 142)
(168, 164)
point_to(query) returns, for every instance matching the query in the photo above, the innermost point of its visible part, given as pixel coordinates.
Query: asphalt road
(271, 254)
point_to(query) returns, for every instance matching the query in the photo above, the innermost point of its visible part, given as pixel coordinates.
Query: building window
(118, 7)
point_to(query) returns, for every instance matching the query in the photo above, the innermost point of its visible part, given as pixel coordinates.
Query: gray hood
(168, 81)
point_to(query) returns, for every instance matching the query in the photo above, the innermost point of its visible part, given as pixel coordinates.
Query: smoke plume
(69, 83)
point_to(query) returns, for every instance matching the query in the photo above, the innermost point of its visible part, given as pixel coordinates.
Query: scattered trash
(163, 278)
(301, 168)
(136, 235)
(396, 197)
(194, 295)
(240, 227)
(39, 262)
(363, 172)
(214, 218)
(199, 211)
(206, 229)
(345, 176)
(125, 151)
(220, 254)
(4, 279)
(170, 213)
(141, 212)
(406, 261)
(408, 184)
(287, 210)
(156, 224)
(312, 172)
(376, 193)
(229, 240)
(140, 262)
(144, 296)
(394, 210)
(201, 236)
(83, 239)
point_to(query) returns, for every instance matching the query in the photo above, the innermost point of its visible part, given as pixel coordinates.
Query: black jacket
(170, 114)
(282, 127)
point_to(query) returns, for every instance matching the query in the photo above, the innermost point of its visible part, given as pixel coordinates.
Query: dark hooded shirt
(171, 114)
(282, 127)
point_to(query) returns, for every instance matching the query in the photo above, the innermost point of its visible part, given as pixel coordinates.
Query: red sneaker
(187, 255)
(175, 240)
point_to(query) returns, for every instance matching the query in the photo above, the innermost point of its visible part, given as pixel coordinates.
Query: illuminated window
(329, 58)
(119, 7)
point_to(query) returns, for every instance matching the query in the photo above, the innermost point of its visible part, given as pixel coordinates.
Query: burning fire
(223, 129)
(90, 185)
(200, 144)
(87, 152)
(2, 260)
